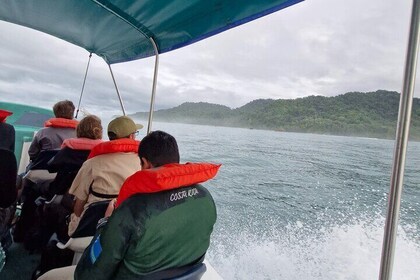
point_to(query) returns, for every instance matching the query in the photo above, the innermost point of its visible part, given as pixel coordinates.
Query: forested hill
(371, 114)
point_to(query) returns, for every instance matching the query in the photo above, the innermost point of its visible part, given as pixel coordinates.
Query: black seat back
(8, 173)
(87, 224)
(41, 161)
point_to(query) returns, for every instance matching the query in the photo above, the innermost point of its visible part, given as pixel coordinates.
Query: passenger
(56, 130)
(66, 163)
(161, 234)
(73, 153)
(34, 182)
(48, 139)
(108, 165)
(7, 132)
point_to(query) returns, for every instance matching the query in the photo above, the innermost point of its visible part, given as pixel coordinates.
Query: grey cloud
(323, 47)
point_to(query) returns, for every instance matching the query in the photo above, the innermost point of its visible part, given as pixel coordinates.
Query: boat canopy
(120, 30)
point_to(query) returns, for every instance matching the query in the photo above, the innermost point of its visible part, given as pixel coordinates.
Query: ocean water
(303, 206)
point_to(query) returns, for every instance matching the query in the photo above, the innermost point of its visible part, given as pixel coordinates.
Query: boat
(149, 28)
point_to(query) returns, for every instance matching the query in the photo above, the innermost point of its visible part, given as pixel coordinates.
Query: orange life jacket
(61, 123)
(166, 177)
(124, 145)
(81, 143)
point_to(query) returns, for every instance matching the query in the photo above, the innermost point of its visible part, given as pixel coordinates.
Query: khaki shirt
(107, 172)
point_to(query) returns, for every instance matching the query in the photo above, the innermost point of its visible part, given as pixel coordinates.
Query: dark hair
(64, 109)
(112, 135)
(159, 148)
(89, 127)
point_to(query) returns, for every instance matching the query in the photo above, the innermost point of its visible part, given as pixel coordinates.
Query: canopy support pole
(152, 100)
(116, 88)
(83, 86)
(400, 149)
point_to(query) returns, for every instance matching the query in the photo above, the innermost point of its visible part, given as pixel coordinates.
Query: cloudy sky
(317, 47)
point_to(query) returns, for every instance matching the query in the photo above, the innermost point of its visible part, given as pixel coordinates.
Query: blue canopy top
(120, 30)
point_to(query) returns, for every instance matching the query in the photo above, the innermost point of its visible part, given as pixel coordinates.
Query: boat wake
(350, 251)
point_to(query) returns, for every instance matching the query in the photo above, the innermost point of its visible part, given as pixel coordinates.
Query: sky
(317, 47)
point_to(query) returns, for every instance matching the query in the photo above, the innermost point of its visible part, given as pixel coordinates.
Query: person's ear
(145, 164)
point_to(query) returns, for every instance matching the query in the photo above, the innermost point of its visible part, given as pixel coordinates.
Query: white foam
(350, 251)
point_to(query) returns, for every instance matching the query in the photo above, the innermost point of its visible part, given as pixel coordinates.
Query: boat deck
(20, 264)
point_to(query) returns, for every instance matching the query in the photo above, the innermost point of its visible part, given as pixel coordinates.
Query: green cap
(123, 127)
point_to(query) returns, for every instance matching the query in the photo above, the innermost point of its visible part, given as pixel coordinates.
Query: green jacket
(149, 233)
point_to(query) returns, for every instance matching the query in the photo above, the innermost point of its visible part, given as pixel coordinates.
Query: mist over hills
(370, 114)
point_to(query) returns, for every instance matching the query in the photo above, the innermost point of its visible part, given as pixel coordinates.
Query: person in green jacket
(155, 234)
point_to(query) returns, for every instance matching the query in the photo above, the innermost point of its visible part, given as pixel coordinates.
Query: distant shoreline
(254, 128)
(358, 114)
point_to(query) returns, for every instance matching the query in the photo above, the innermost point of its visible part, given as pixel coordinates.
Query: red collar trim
(124, 145)
(167, 177)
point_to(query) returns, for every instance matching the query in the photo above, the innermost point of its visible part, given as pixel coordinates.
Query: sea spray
(337, 251)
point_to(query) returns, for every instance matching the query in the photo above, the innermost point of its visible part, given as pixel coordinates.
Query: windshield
(32, 119)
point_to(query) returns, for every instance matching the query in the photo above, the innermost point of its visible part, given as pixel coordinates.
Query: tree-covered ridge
(199, 110)
(371, 114)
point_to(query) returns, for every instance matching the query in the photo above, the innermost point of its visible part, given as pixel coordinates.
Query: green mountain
(371, 114)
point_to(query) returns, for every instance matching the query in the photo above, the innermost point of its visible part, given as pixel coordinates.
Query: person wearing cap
(108, 165)
(7, 132)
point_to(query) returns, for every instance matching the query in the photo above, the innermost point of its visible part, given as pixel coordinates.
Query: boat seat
(8, 173)
(77, 245)
(86, 229)
(56, 199)
(89, 220)
(41, 161)
(194, 274)
(38, 169)
(40, 176)
(8, 194)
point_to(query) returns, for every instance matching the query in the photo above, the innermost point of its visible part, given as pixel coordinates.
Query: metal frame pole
(116, 88)
(83, 86)
(145, 32)
(152, 100)
(400, 149)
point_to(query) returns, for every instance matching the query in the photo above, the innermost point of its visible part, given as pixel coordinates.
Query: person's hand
(110, 208)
